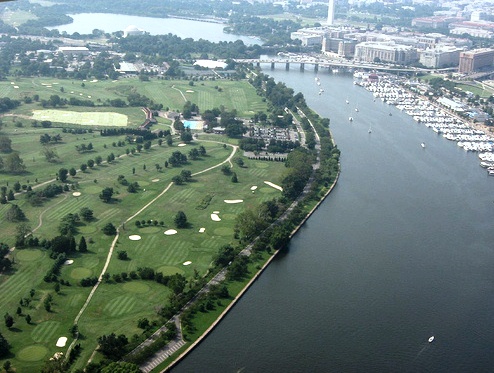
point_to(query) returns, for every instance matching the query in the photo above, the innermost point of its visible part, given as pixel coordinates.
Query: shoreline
(251, 281)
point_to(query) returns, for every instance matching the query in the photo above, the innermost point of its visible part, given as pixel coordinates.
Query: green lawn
(116, 307)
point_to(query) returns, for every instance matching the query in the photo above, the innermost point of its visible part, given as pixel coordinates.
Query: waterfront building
(132, 30)
(306, 38)
(476, 60)
(440, 56)
(74, 50)
(385, 52)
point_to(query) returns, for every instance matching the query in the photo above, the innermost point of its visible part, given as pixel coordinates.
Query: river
(85, 23)
(402, 249)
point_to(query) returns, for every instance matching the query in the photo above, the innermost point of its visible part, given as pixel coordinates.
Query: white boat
(356, 109)
(370, 129)
(422, 145)
(347, 101)
(350, 119)
(431, 339)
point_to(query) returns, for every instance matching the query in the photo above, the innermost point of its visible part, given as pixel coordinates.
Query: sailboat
(370, 129)
(356, 109)
(347, 101)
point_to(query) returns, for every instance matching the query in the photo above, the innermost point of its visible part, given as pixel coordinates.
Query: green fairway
(106, 119)
(117, 305)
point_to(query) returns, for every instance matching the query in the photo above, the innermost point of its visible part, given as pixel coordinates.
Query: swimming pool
(193, 124)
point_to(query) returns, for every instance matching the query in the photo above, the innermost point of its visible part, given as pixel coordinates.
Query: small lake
(85, 23)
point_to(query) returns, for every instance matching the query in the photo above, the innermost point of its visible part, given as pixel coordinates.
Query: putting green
(261, 165)
(169, 270)
(228, 216)
(32, 353)
(87, 229)
(223, 231)
(136, 287)
(28, 254)
(93, 189)
(80, 273)
(150, 230)
(88, 118)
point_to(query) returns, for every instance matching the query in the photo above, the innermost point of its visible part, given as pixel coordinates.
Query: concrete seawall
(247, 286)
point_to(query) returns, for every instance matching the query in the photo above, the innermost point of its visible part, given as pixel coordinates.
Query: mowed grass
(82, 118)
(116, 307)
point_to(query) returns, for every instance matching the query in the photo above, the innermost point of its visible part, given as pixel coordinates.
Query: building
(434, 22)
(475, 60)
(440, 56)
(74, 50)
(132, 30)
(385, 52)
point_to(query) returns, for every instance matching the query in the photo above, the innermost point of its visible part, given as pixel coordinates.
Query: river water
(402, 249)
(85, 23)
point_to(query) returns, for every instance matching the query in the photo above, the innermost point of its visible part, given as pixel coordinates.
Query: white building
(132, 30)
(385, 52)
(74, 50)
(440, 56)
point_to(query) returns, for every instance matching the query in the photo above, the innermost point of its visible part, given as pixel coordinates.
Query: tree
(109, 229)
(234, 178)
(62, 174)
(90, 163)
(186, 175)
(68, 224)
(121, 367)
(186, 136)
(50, 154)
(5, 144)
(28, 318)
(83, 167)
(14, 164)
(4, 347)
(143, 323)
(9, 320)
(180, 220)
(82, 245)
(72, 172)
(86, 214)
(122, 255)
(15, 214)
(98, 160)
(113, 347)
(106, 194)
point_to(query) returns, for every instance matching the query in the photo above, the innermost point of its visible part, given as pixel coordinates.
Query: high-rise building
(330, 12)
(476, 60)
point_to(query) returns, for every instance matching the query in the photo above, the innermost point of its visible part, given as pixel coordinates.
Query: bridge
(336, 64)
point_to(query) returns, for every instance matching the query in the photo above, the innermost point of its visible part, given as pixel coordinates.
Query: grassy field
(90, 119)
(116, 307)
(16, 18)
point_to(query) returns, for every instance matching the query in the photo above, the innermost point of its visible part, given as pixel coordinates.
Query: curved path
(114, 242)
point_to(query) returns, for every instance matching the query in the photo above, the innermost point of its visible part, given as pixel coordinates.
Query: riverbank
(253, 279)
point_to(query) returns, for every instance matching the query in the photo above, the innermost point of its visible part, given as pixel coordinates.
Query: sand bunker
(253, 187)
(16, 86)
(273, 185)
(134, 237)
(61, 341)
(189, 91)
(215, 217)
(182, 144)
(202, 230)
(14, 83)
(76, 194)
(170, 232)
(234, 200)
(155, 180)
(187, 263)
(216, 212)
(68, 262)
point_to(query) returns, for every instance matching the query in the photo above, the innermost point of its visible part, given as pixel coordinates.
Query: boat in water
(422, 145)
(431, 339)
(347, 101)
(350, 119)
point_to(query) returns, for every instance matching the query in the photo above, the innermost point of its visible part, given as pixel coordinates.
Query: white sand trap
(68, 262)
(187, 263)
(216, 212)
(48, 86)
(94, 81)
(16, 86)
(12, 82)
(273, 185)
(202, 230)
(234, 200)
(88, 96)
(76, 194)
(215, 217)
(253, 187)
(54, 83)
(170, 232)
(80, 94)
(182, 144)
(71, 91)
(189, 91)
(61, 341)
(155, 180)
(134, 237)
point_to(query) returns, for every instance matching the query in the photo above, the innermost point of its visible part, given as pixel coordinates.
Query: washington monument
(330, 12)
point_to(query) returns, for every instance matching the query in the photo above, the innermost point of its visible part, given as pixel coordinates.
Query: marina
(393, 91)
